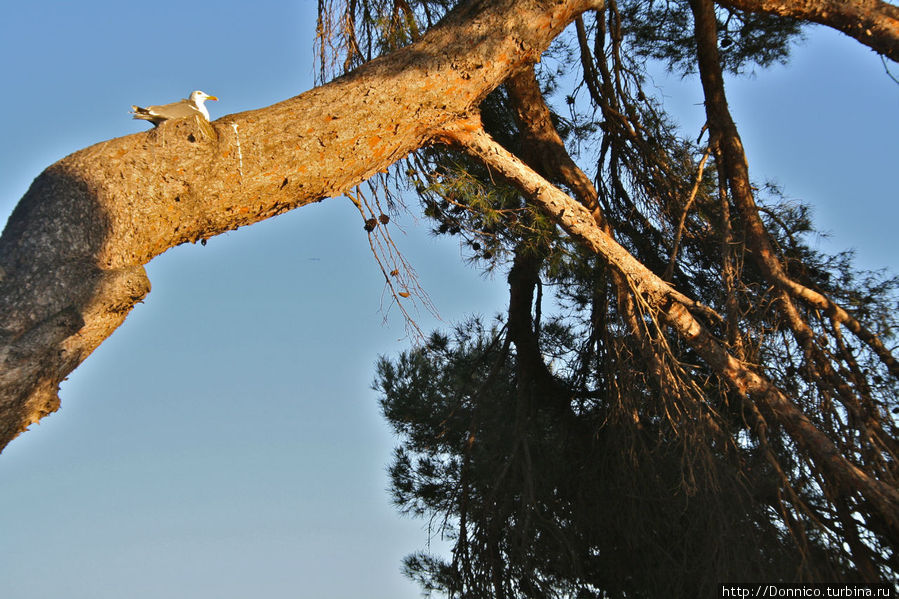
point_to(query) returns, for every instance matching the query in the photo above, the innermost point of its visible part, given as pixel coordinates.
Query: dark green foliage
(586, 500)
(663, 30)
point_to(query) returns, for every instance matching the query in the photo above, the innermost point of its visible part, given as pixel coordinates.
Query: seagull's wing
(164, 112)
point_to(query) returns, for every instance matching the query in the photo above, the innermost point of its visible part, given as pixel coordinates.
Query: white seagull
(192, 106)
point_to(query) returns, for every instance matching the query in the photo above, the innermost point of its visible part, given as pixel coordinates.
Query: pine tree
(682, 391)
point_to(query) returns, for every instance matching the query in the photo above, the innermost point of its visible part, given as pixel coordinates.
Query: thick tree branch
(71, 255)
(872, 22)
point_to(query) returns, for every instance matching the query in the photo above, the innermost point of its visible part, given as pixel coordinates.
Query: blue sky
(224, 443)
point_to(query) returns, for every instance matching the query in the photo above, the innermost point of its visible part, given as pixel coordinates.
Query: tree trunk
(72, 253)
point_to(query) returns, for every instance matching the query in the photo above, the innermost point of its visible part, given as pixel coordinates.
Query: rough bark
(872, 22)
(72, 253)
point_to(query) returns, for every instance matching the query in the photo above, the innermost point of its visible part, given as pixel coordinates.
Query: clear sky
(225, 442)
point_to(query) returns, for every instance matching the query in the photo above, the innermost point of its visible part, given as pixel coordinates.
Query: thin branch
(683, 217)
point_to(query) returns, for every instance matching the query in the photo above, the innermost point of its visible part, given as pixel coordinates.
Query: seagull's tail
(141, 113)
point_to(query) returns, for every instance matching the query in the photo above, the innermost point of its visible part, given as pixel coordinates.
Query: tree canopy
(617, 446)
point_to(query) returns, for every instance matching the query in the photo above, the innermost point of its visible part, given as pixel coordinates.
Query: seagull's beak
(211, 98)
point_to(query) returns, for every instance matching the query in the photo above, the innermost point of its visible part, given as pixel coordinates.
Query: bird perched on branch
(192, 106)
